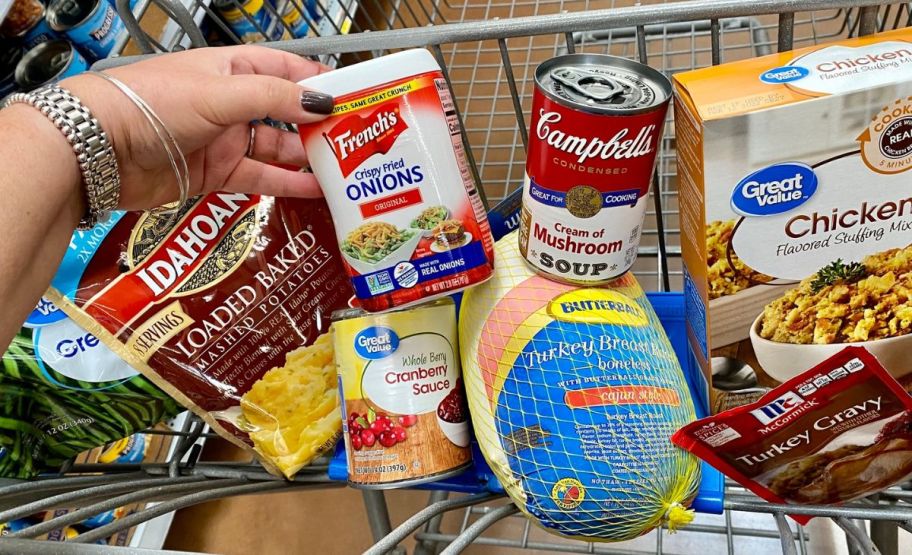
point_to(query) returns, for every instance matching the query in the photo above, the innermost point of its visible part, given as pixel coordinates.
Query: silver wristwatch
(94, 151)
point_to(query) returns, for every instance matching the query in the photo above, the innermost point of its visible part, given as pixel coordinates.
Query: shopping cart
(489, 49)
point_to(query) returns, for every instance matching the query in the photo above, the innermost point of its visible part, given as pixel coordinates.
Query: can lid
(43, 63)
(66, 14)
(602, 84)
(348, 313)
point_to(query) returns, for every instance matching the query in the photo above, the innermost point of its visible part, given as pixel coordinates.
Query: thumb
(243, 98)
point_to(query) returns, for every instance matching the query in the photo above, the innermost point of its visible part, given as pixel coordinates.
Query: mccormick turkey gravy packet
(838, 432)
(224, 306)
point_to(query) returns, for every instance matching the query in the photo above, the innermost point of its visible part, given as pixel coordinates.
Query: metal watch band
(94, 152)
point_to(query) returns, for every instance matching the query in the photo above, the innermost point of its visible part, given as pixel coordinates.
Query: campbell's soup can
(596, 128)
(404, 412)
(409, 220)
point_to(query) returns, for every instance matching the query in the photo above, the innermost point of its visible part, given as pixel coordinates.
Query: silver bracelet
(94, 152)
(172, 149)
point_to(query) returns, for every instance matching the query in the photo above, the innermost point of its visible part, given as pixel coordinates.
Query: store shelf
(169, 34)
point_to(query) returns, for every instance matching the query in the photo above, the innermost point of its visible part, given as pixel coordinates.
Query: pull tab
(587, 83)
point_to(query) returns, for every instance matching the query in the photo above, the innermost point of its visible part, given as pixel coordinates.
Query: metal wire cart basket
(489, 50)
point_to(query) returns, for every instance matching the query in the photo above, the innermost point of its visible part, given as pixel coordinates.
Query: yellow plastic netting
(574, 394)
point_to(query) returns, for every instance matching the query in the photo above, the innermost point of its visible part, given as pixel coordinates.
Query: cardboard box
(787, 164)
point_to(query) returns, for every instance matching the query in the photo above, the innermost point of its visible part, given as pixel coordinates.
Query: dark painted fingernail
(317, 102)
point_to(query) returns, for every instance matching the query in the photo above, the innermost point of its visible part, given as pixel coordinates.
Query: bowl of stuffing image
(866, 304)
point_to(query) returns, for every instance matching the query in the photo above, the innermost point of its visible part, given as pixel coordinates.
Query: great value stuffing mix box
(796, 210)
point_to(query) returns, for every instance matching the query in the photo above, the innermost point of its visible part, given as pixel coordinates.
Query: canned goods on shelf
(69, 533)
(294, 18)
(404, 414)
(10, 55)
(278, 31)
(308, 8)
(130, 449)
(315, 12)
(16, 525)
(26, 23)
(250, 20)
(93, 25)
(596, 129)
(49, 62)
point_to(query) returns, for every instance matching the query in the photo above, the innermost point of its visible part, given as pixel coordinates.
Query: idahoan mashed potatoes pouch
(224, 305)
(574, 394)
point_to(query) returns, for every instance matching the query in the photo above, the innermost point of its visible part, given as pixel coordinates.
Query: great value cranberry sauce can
(409, 220)
(596, 128)
(404, 412)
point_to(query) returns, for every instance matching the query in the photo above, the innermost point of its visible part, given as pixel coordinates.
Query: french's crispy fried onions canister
(390, 160)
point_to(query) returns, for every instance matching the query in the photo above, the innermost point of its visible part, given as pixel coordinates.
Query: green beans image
(47, 417)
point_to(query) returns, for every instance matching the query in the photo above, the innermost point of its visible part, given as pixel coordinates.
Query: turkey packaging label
(574, 393)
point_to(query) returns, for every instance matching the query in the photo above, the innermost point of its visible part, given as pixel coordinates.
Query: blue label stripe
(83, 246)
(696, 313)
(550, 197)
(504, 217)
(429, 268)
(98, 33)
(45, 313)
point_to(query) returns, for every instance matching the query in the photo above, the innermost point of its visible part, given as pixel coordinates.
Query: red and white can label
(586, 189)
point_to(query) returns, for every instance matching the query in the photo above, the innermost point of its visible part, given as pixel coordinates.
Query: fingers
(250, 176)
(274, 145)
(243, 98)
(267, 61)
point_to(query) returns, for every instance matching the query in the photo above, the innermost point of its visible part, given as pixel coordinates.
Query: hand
(207, 99)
